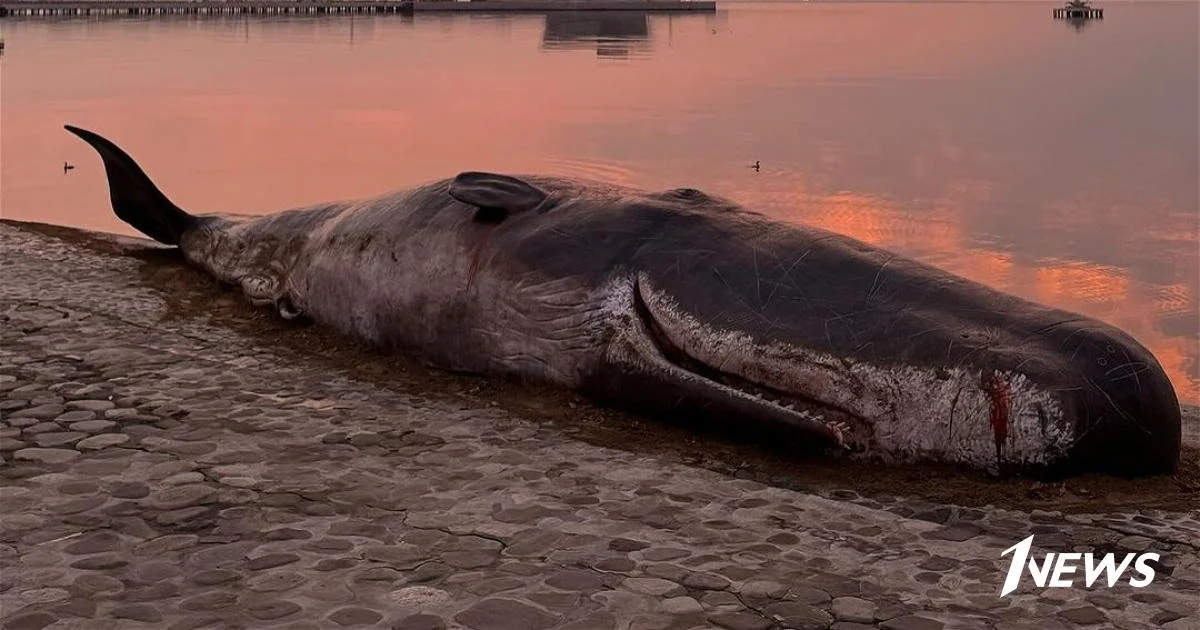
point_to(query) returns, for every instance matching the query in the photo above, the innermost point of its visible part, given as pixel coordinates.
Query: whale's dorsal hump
(495, 196)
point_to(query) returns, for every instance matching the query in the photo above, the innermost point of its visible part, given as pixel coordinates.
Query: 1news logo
(1065, 564)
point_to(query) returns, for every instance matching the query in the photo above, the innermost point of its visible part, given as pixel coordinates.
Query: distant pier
(58, 8)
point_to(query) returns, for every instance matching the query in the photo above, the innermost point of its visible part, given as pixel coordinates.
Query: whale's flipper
(496, 196)
(135, 199)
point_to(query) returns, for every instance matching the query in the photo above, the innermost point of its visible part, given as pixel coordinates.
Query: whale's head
(716, 311)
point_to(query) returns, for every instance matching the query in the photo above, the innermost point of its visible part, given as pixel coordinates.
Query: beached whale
(678, 302)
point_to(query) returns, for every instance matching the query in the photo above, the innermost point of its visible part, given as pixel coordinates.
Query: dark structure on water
(45, 8)
(612, 34)
(1079, 10)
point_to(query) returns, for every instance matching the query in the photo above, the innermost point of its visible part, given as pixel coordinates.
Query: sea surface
(1059, 161)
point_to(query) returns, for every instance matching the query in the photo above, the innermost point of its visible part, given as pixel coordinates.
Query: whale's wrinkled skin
(679, 302)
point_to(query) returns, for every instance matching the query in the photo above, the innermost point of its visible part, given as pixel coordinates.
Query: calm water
(1055, 162)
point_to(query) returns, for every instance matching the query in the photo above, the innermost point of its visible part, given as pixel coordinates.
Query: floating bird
(67, 166)
(756, 166)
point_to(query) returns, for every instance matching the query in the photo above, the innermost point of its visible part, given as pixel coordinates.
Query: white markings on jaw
(904, 413)
(632, 345)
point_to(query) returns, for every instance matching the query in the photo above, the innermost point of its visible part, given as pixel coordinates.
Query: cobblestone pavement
(172, 474)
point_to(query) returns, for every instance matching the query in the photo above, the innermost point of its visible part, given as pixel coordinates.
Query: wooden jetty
(1079, 10)
(59, 8)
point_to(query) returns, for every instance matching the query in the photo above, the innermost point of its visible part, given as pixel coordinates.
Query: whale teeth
(839, 430)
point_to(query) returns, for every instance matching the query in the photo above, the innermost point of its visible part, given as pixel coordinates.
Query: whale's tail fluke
(135, 199)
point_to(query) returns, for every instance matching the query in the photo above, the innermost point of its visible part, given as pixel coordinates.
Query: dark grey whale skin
(678, 302)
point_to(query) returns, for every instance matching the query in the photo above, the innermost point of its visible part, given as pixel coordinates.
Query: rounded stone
(656, 587)
(798, 616)
(761, 589)
(12, 444)
(287, 533)
(681, 606)
(616, 565)
(129, 490)
(784, 538)
(46, 455)
(911, 622)
(96, 583)
(276, 582)
(20, 522)
(104, 440)
(271, 560)
(469, 559)
(706, 581)
(354, 616)
(78, 487)
(79, 415)
(212, 600)
(54, 439)
(41, 427)
(156, 571)
(38, 412)
(182, 478)
(808, 595)
(958, 532)
(91, 405)
(739, 621)
(721, 601)
(938, 563)
(212, 577)
(100, 562)
(661, 554)
(30, 621)
(576, 581)
(144, 613)
(378, 574)
(42, 595)
(854, 609)
(95, 542)
(274, 609)
(1084, 615)
(92, 426)
(334, 564)
(505, 614)
(418, 596)
(420, 621)
(176, 497)
(239, 482)
(626, 545)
